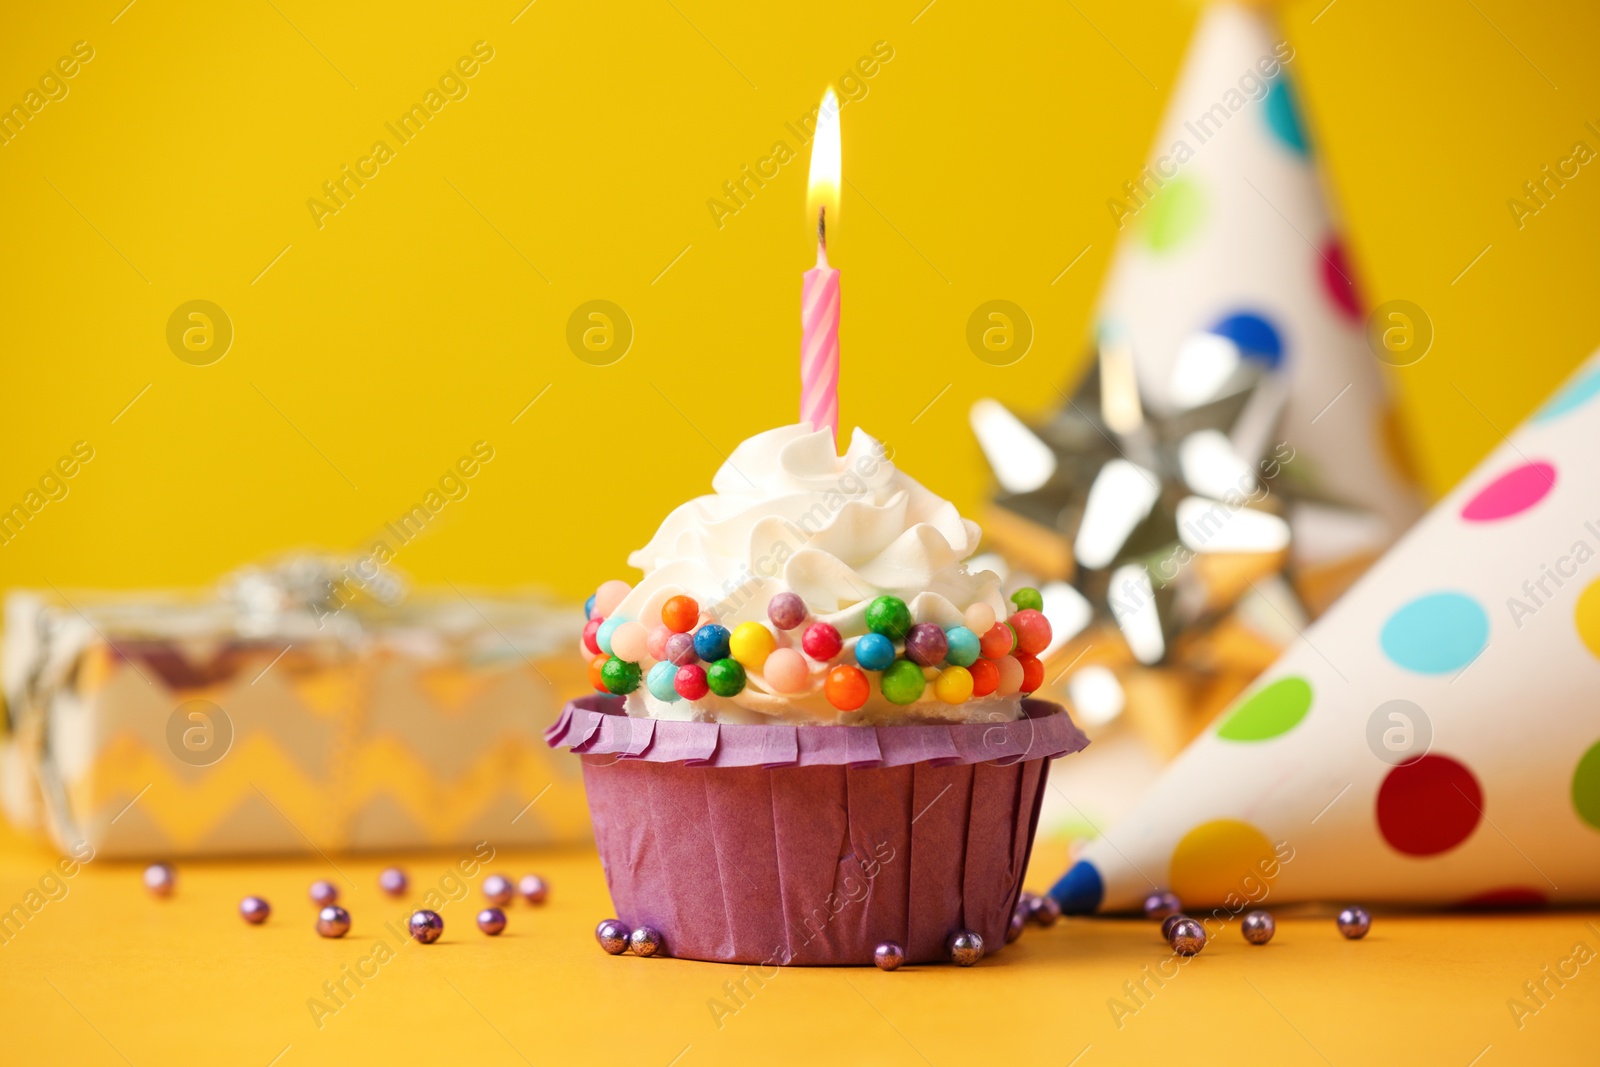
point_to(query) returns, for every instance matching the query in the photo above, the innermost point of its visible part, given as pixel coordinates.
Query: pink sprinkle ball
(786, 671)
(690, 682)
(609, 595)
(821, 641)
(655, 645)
(630, 642)
(1011, 676)
(1033, 631)
(680, 650)
(980, 618)
(590, 629)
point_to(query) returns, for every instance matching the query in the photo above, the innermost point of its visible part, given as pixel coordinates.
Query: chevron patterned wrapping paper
(159, 727)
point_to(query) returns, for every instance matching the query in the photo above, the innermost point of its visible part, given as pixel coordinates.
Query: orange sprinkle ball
(594, 672)
(680, 614)
(1032, 672)
(999, 641)
(985, 677)
(847, 687)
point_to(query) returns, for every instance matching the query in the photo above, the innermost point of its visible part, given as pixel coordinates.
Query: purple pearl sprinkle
(786, 610)
(533, 889)
(498, 888)
(491, 921)
(333, 921)
(680, 650)
(160, 879)
(393, 881)
(254, 910)
(426, 926)
(323, 892)
(926, 645)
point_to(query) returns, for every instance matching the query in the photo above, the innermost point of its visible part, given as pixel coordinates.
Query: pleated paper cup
(811, 845)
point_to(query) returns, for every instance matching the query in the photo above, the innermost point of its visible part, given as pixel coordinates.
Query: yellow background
(419, 320)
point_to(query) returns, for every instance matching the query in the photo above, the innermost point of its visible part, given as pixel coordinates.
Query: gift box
(299, 708)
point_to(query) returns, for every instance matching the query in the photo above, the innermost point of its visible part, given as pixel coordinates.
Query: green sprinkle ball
(620, 676)
(903, 682)
(726, 677)
(1028, 597)
(889, 616)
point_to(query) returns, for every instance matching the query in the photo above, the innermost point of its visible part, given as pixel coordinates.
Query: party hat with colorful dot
(1433, 739)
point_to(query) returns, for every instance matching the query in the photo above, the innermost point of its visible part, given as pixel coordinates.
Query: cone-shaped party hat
(1434, 738)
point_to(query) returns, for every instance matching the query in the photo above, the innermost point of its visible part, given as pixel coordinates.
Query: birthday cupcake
(812, 733)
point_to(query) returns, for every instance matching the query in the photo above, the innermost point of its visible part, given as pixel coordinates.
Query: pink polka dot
(1339, 282)
(1429, 806)
(1513, 492)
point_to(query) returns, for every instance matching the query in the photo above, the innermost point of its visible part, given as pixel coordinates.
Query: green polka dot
(1586, 786)
(1275, 710)
(1173, 215)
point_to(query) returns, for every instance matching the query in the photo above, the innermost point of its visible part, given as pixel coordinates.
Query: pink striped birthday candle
(819, 341)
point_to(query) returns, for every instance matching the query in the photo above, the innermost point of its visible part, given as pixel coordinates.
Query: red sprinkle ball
(1033, 631)
(690, 682)
(821, 641)
(985, 677)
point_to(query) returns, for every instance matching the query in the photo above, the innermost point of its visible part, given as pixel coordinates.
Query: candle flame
(822, 194)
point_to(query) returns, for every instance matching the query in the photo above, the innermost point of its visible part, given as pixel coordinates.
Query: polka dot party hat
(1433, 739)
(1227, 250)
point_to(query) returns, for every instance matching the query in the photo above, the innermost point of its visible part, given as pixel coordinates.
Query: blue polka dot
(1436, 634)
(1575, 395)
(1283, 116)
(1080, 890)
(1256, 337)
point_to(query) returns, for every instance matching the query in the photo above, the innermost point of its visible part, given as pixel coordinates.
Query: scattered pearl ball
(254, 910)
(786, 671)
(888, 956)
(425, 926)
(1044, 911)
(966, 948)
(491, 921)
(1258, 927)
(393, 881)
(1018, 923)
(1168, 923)
(645, 941)
(333, 921)
(1188, 937)
(533, 888)
(1354, 923)
(160, 879)
(324, 892)
(499, 890)
(1160, 905)
(613, 936)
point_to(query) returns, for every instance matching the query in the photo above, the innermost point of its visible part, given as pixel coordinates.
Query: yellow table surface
(107, 974)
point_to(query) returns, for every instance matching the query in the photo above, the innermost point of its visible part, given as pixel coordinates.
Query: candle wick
(822, 236)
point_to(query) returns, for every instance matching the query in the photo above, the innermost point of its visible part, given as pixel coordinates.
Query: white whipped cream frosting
(789, 514)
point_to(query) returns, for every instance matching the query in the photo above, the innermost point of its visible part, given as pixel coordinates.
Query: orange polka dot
(1588, 617)
(1219, 858)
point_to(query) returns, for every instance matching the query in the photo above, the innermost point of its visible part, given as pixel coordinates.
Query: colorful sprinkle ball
(888, 956)
(962, 646)
(711, 642)
(1258, 927)
(591, 640)
(847, 687)
(821, 641)
(160, 879)
(333, 921)
(980, 618)
(645, 941)
(588, 607)
(985, 677)
(725, 677)
(1032, 629)
(680, 650)
(533, 889)
(953, 685)
(498, 889)
(393, 881)
(254, 910)
(323, 892)
(1012, 675)
(425, 926)
(620, 676)
(903, 682)
(926, 645)
(786, 610)
(1168, 923)
(1354, 923)
(630, 642)
(889, 616)
(597, 676)
(655, 646)
(690, 681)
(606, 631)
(751, 644)
(997, 642)
(1188, 937)
(609, 595)
(874, 652)
(491, 921)
(1032, 672)
(612, 935)
(966, 948)
(661, 681)
(786, 671)
(1161, 904)
(1028, 599)
(680, 613)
